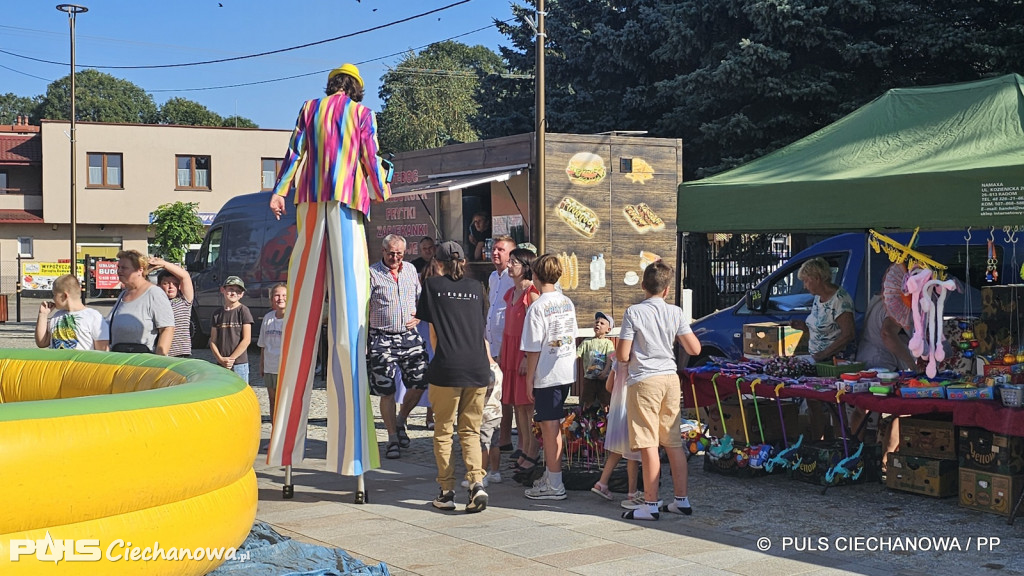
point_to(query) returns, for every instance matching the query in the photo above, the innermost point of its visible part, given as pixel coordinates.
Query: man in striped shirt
(394, 342)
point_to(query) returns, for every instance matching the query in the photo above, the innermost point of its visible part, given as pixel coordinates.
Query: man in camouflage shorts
(394, 343)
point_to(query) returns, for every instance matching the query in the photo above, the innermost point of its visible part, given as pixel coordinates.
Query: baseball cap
(349, 69)
(233, 281)
(449, 250)
(611, 323)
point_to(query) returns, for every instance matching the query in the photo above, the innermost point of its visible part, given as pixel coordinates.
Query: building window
(3, 182)
(271, 166)
(104, 170)
(193, 172)
(25, 246)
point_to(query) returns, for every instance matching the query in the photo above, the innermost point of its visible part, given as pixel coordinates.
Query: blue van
(781, 297)
(244, 240)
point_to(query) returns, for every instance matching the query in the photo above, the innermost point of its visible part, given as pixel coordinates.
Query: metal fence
(720, 268)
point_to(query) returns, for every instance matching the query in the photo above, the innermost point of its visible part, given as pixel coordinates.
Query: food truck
(609, 207)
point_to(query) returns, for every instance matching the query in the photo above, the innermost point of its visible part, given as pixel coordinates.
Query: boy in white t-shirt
(74, 326)
(549, 340)
(270, 341)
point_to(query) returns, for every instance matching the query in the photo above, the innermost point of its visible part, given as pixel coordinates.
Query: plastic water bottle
(595, 268)
(602, 270)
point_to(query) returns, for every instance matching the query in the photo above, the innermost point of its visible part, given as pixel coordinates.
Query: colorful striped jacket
(337, 137)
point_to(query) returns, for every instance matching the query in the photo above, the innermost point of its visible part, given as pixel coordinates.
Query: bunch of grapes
(789, 367)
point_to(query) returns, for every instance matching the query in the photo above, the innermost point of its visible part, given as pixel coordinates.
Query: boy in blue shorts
(549, 340)
(652, 394)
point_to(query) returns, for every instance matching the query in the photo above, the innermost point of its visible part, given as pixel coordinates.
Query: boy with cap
(596, 354)
(231, 329)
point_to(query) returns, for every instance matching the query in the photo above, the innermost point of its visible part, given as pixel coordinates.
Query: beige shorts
(652, 409)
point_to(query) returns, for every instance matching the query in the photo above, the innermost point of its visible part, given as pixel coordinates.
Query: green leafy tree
(99, 97)
(184, 112)
(12, 106)
(174, 227)
(238, 122)
(429, 97)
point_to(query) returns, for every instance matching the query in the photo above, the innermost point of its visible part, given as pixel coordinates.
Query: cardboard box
(770, 424)
(986, 451)
(771, 339)
(934, 392)
(994, 493)
(816, 459)
(927, 437)
(926, 476)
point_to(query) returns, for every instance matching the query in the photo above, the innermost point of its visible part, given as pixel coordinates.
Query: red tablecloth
(987, 414)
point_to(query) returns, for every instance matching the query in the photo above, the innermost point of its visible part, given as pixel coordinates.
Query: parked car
(244, 240)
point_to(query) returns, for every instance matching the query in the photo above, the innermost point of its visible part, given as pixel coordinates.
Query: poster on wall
(41, 275)
(611, 213)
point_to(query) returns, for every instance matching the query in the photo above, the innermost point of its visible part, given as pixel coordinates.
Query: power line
(324, 71)
(261, 54)
(25, 74)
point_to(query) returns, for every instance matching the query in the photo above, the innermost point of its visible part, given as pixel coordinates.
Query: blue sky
(147, 32)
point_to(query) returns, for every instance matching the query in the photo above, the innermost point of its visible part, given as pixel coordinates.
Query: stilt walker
(332, 162)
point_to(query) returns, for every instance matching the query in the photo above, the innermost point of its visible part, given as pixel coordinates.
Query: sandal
(508, 448)
(602, 491)
(393, 451)
(403, 437)
(532, 461)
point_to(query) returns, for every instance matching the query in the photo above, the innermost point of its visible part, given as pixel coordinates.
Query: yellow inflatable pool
(123, 464)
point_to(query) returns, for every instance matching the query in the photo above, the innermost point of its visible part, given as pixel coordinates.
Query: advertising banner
(40, 275)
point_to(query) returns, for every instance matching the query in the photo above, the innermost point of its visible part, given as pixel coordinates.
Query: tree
(174, 227)
(184, 112)
(429, 97)
(12, 106)
(238, 122)
(737, 79)
(99, 97)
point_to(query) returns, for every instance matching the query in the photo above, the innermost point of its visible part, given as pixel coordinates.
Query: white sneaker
(635, 501)
(492, 478)
(543, 490)
(465, 483)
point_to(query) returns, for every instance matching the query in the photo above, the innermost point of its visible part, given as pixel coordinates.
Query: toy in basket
(1012, 395)
(835, 368)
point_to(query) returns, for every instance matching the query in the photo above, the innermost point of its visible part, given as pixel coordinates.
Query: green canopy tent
(938, 157)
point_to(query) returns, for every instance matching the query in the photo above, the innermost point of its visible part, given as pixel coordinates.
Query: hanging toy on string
(992, 270)
(968, 342)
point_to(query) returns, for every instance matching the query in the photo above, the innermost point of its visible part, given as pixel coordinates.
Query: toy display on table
(789, 367)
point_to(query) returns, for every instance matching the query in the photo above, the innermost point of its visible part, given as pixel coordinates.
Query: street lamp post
(73, 10)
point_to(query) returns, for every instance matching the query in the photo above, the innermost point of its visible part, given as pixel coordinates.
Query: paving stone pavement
(838, 532)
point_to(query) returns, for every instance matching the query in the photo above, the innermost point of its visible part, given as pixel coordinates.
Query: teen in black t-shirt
(456, 308)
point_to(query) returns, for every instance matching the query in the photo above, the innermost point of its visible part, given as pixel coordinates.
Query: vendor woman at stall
(829, 326)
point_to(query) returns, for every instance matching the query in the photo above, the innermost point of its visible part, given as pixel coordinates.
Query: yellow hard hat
(349, 69)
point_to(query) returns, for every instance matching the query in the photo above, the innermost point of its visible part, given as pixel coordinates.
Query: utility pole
(73, 10)
(539, 209)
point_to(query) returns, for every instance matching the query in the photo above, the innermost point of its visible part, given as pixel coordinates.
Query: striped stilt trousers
(329, 259)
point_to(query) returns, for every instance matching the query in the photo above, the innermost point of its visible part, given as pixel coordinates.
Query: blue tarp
(267, 553)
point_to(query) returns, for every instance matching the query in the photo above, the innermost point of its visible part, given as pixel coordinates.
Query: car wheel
(199, 338)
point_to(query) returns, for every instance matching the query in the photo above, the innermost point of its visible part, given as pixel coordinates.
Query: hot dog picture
(642, 218)
(580, 218)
